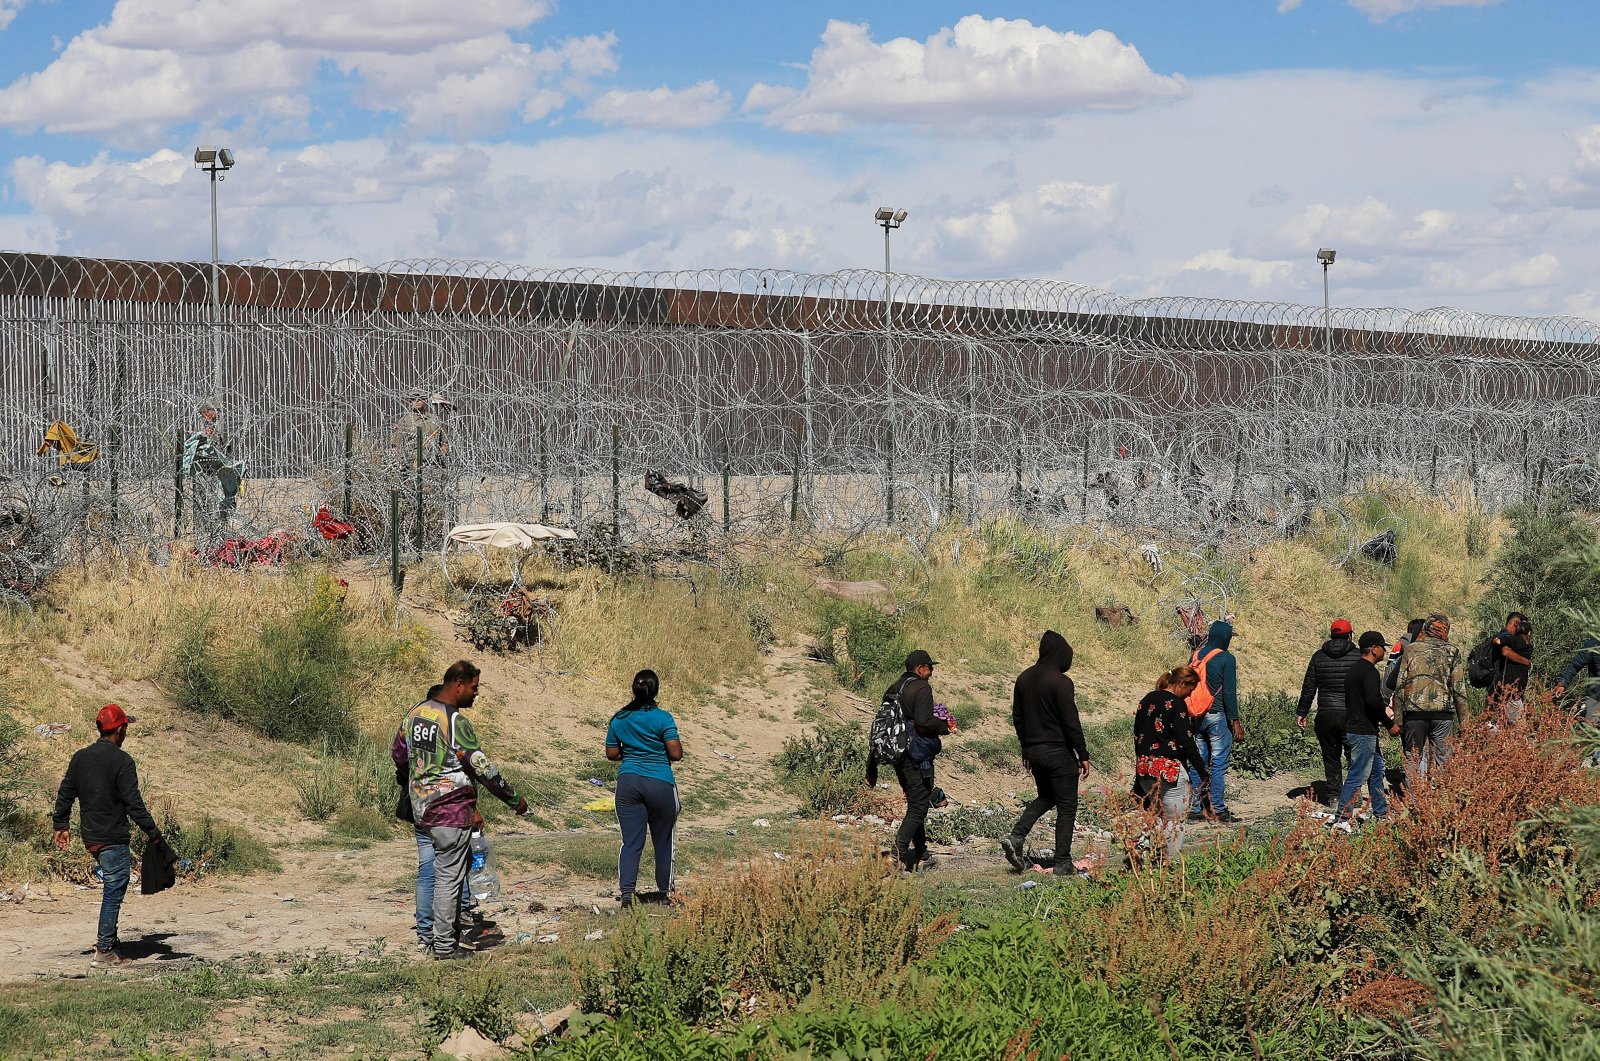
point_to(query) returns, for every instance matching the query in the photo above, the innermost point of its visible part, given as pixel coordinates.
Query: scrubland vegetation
(1468, 926)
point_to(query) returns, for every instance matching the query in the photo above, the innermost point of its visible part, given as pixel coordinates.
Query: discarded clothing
(331, 529)
(686, 500)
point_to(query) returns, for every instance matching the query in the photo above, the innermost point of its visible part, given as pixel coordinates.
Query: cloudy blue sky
(1449, 149)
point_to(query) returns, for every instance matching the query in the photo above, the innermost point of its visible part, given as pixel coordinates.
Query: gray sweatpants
(451, 857)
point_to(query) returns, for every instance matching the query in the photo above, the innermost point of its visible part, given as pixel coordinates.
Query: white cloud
(8, 11)
(158, 63)
(662, 108)
(1381, 10)
(1037, 230)
(992, 69)
(1285, 6)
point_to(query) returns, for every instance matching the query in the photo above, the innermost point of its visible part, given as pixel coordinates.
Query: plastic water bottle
(483, 883)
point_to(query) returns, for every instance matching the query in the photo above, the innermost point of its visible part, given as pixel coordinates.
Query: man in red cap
(1324, 683)
(105, 783)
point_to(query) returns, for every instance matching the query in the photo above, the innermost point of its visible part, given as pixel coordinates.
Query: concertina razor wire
(836, 404)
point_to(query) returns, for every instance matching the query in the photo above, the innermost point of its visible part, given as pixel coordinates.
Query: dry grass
(127, 618)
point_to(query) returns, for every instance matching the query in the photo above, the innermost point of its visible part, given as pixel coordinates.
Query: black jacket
(1325, 675)
(1584, 667)
(104, 781)
(916, 703)
(1044, 703)
(1368, 711)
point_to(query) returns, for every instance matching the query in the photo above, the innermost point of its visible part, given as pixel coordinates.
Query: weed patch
(768, 936)
(297, 679)
(826, 768)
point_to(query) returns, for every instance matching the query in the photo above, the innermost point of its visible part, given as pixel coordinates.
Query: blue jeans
(1366, 768)
(116, 863)
(425, 887)
(1215, 738)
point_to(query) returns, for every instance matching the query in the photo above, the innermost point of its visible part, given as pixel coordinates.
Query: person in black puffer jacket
(1324, 682)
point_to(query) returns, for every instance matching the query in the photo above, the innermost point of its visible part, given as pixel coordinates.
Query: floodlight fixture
(215, 161)
(1326, 256)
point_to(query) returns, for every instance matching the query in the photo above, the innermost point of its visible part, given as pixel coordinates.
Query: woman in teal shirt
(644, 739)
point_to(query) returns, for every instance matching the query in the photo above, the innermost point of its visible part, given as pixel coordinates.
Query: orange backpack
(1199, 702)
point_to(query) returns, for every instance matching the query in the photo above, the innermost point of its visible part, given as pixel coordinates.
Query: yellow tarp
(60, 437)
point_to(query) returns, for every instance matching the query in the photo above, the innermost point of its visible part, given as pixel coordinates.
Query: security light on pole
(216, 161)
(1326, 256)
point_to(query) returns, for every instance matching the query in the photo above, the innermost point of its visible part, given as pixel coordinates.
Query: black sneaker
(1226, 817)
(455, 954)
(1012, 848)
(629, 900)
(1197, 816)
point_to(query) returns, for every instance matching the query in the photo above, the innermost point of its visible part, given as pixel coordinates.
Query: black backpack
(890, 734)
(1480, 664)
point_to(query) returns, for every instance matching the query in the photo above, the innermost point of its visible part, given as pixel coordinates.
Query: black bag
(157, 872)
(890, 733)
(1480, 664)
(402, 808)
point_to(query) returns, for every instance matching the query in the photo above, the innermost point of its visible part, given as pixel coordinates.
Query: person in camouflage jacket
(1429, 695)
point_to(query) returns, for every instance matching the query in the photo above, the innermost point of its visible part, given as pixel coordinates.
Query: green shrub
(991, 822)
(295, 679)
(476, 998)
(1273, 743)
(875, 647)
(823, 920)
(825, 767)
(1548, 568)
(1110, 742)
(318, 791)
(209, 846)
(363, 823)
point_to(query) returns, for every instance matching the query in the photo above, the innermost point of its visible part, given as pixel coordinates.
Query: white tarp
(507, 535)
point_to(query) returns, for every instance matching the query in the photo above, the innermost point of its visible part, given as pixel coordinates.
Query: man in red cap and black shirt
(104, 781)
(1324, 683)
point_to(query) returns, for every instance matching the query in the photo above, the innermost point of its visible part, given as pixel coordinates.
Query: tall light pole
(1326, 256)
(215, 161)
(890, 218)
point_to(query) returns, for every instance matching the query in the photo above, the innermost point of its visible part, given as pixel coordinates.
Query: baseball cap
(112, 717)
(919, 658)
(1373, 639)
(1340, 627)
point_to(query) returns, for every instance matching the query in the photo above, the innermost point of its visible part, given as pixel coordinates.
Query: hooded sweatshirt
(1044, 704)
(1222, 672)
(1325, 676)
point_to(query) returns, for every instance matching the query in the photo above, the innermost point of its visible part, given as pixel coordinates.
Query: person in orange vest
(1219, 728)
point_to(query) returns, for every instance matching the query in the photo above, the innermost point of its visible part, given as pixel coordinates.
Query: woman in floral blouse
(1164, 748)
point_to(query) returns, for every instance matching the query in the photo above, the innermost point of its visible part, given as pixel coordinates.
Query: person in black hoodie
(916, 703)
(1044, 710)
(1324, 682)
(1368, 714)
(104, 782)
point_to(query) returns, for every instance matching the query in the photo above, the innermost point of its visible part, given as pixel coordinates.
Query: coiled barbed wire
(820, 401)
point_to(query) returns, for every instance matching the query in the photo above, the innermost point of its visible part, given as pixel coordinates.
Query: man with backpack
(1429, 695)
(1324, 682)
(1214, 709)
(907, 710)
(1044, 711)
(1513, 661)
